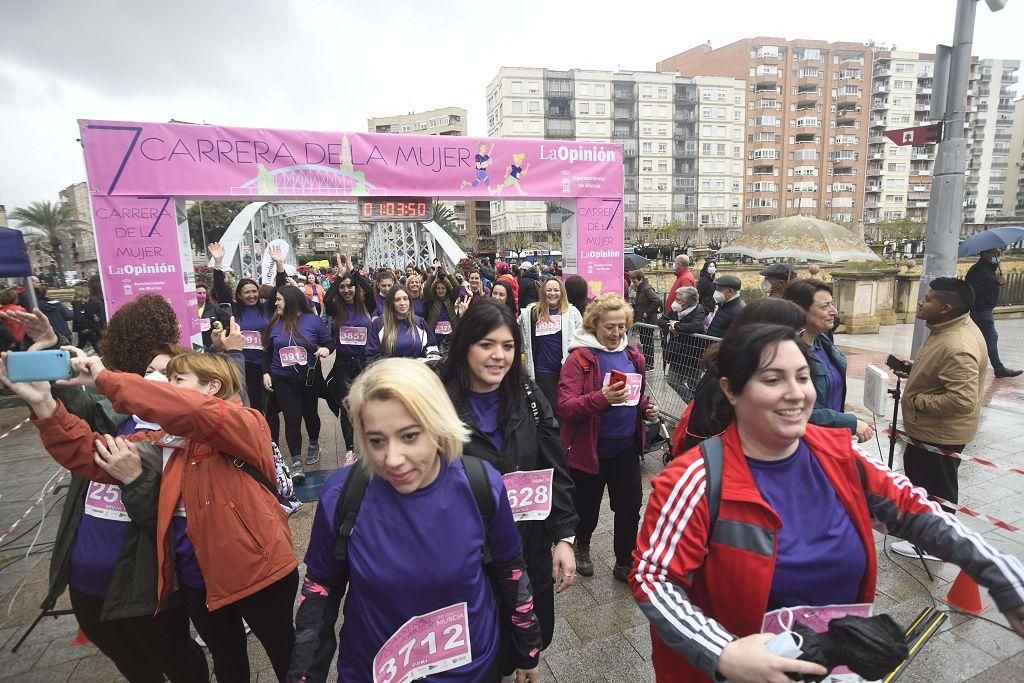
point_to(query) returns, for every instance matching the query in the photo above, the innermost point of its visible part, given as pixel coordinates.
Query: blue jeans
(986, 322)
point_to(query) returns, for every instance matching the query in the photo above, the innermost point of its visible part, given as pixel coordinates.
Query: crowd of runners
(484, 412)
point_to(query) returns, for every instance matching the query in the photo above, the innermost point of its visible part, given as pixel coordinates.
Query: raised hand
(35, 394)
(277, 254)
(37, 326)
(229, 340)
(216, 253)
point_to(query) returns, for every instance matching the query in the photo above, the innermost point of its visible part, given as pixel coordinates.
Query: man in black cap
(727, 296)
(776, 278)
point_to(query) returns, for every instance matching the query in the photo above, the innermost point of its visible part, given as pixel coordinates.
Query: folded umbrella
(871, 647)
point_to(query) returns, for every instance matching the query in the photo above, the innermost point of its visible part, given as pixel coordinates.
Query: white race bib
(103, 501)
(546, 327)
(352, 336)
(204, 324)
(253, 340)
(634, 382)
(443, 327)
(427, 644)
(529, 493)
(293, 355)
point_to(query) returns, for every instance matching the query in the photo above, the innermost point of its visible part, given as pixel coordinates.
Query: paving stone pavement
(600, 634)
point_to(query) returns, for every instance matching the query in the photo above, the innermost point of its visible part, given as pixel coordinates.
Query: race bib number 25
(427, 644)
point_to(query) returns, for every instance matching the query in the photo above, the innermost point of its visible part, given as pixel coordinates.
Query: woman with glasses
(828, 364)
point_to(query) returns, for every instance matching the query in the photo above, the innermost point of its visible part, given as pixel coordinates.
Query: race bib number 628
(529, 493)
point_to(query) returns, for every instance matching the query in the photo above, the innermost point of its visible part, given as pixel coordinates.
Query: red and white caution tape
(902, 436)
(36, 504)
(14, 428)
(974, 513)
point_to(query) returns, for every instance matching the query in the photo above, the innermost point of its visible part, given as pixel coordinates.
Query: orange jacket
(239, 531)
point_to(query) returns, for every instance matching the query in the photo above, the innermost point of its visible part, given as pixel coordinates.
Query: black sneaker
(584, 566)
(1007, 372)
(620, 572)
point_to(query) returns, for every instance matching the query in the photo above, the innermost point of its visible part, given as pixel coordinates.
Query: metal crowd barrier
(674, 366)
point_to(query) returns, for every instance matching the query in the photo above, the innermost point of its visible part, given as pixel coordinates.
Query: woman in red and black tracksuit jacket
(794, 526)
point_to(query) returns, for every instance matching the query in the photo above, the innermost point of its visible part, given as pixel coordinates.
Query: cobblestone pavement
(600, 635)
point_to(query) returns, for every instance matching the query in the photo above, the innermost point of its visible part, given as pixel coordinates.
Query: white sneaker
(907, 549)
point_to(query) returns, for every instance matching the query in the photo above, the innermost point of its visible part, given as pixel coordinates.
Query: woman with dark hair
(512, 427)
(314, 291)
(400, 333)
(441, 294)
(828, 364)
(800, 502)
(706, 285)
(91, 315)
(348, 303)
(699, 420)
(294, 341)
(577, 291)
(502, 292)
(252, 313)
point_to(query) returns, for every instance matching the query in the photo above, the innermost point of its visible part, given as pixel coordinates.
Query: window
(517, 87)
(903, 85)
(648, 148)
(904, 68)
(737, 152)
(646, 165)
(647, 129)
(533, 106)
(517, 126)
(766, 51)
(646, 111)
(807, 53)
(599, 108)
(583, 88)
(533, 87)
(662, 110)
(901, 102)
(647, 183)
(584, 108)
(534, 126)
(662, 93)
(849, 90)
(662, 148)
(662, 166)
(662, 129)
(646, 92)
(584, 126)
(809, 72)
(517, 106)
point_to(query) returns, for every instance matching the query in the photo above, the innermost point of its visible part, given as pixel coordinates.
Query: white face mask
(711, 270)
(676, 306)
(766, 286)
(156, 376)
(994, 260)
(719, 297)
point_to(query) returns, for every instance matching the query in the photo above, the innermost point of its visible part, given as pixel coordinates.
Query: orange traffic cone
(965, 595)
(80, 639)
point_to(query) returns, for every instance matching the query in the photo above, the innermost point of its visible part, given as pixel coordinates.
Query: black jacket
(529, 288)
(982, 277)
(89, 316)
(529, 444)
(724, 316)
(679, 347)
(648, 304)
(706, 292)
(58, 314)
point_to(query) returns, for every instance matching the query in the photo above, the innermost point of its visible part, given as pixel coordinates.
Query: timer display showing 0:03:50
(394, 209)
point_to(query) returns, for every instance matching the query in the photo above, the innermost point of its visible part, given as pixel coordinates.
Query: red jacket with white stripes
(698, 600)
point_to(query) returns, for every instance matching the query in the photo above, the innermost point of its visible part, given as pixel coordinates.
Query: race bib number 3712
(427, 644)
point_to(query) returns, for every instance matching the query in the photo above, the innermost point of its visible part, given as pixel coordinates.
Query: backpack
(354, 489)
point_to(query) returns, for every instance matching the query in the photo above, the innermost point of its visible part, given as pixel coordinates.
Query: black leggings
(625, 492)
(268, 613)
(254, 386)
(548, 383)
(143, 648)
(298, 402)
(345, 372)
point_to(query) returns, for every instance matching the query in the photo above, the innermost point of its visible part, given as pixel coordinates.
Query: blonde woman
(399, 332)
(417, 546)
(548, 327)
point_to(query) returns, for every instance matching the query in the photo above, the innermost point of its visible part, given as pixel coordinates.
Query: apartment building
(899, 178)
(1015, 182)
(990, 120)
(654, 117)
(323, 228)
(720, 154)
(806, 122)
(81, 250)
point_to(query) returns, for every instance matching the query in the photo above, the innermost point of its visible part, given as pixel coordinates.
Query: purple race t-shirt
(101, 533)
(549, 346)
(485, 409)
(411, 554)
(618, 423)
(821, 558)
(252, 319)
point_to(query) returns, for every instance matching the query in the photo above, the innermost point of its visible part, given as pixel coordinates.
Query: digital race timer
(395, 208)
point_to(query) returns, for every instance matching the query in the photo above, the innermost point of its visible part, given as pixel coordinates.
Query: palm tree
(57, 223)
(444, 216)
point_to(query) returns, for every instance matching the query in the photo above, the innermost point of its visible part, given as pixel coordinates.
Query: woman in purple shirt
(348, 303)
(416, 548)
(294, 342)
(399, 332)
(828, 365)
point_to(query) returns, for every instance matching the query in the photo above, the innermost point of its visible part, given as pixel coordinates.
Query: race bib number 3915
(529, 493)
(427, 644)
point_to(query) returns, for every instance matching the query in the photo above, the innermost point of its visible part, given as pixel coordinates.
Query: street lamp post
(946, 203)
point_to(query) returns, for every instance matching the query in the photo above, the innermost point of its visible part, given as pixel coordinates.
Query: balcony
(876, 156)
(874, 171)
(846, 123)
(1010, 77)
(881, 73)
(923, 106)
(872, 204)
(873, 189)
(919, 196)
(877, 123)
(879, 105)
(877, 140)
(623, 94)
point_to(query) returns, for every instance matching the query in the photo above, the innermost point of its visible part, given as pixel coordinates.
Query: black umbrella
(635, 262)
(870, 646)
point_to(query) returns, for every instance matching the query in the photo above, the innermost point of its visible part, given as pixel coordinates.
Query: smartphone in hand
(897, 365)
(39, 366)
(617, 376)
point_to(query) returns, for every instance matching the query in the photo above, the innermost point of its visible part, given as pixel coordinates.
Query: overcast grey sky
(323, 64)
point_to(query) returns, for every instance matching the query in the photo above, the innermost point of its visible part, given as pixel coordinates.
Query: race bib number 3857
(529, 493)
(427, 644)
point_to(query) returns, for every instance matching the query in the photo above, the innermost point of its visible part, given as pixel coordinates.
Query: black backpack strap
(532, 401)
(481, 486)
(711, 452)
(258, 476)
(349, 500)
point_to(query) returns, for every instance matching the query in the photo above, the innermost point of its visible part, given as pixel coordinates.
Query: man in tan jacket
(942, 401)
